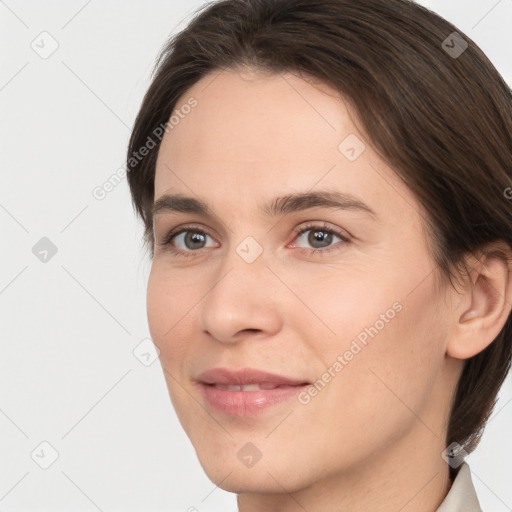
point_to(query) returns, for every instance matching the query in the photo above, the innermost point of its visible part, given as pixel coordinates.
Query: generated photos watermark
(356, 346)
(100, 192)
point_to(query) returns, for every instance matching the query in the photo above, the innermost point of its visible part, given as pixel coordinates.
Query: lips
(246, 376)
(248, 391)
(247, 387)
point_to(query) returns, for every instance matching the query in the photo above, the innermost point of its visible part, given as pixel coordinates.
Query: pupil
(194, 238)
(319, 236)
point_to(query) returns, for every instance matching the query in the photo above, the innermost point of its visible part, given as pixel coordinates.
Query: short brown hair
(441, 119)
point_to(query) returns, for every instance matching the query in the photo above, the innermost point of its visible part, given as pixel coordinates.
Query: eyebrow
(289, 203)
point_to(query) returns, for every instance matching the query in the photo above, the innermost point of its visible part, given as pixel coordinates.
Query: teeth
(246, 387)
(249, 387)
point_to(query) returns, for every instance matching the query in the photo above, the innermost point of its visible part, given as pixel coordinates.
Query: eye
(320, 237)
(190, 240)
(186, 241)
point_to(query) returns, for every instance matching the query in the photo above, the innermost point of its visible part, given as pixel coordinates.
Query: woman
(325, 189)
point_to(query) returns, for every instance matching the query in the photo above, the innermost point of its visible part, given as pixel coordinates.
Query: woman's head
(400, 318)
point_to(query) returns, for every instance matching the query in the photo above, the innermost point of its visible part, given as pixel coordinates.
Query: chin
(242, 481)
(266, 476)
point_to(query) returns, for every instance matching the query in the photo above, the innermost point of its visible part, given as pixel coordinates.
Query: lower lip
(247, 403)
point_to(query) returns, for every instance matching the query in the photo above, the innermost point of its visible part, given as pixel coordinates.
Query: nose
(242, 301)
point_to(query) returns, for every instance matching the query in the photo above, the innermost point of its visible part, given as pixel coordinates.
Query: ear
(485, 302)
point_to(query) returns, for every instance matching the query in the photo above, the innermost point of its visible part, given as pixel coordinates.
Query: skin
(372, 438)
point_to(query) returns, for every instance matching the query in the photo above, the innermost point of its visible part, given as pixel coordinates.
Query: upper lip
(245, 376)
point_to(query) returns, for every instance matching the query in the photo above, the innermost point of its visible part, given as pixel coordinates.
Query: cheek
(167, 307)
(159, 305)
(342, 306)
(392, 352)
(384, 341)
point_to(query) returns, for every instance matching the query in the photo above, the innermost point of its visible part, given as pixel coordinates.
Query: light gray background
(69, 327)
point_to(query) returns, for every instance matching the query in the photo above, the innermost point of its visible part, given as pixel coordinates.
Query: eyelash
(167, 241)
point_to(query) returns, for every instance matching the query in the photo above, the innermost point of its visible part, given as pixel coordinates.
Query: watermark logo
(249, 455)
(249, 249)
(454, 45)
(44, 250)
(45, 45)
(351, 147)
(454, 455)
(146, 352)
(44, 455)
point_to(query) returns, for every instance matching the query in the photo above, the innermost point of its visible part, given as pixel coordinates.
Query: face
(299, 332)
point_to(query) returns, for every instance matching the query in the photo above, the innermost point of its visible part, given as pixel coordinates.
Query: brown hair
(441, 118)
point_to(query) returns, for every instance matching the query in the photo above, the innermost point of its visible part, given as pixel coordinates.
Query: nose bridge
(241, 296)
(244, 263)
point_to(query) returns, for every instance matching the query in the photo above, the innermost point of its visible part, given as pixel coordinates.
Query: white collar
(462, 495)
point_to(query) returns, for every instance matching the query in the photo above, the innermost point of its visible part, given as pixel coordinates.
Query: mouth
(249, 387)
(246, 392)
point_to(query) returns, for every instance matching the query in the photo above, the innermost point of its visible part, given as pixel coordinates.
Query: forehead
(255, 135)
(267, 118)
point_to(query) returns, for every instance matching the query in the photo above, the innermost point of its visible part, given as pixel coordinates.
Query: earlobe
(485, 306)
